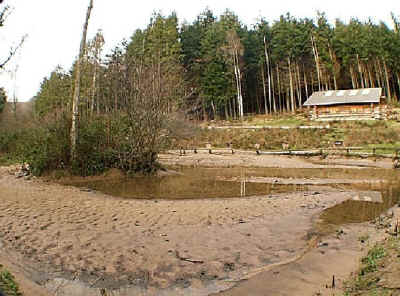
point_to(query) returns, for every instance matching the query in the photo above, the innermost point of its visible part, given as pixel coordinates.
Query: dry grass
(384, 135)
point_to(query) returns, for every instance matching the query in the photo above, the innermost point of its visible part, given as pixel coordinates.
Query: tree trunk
(75, 99)
(264, 90)
(238, 85)
(268, 72)
(291, 86)
(398, 81)
(353, 83)
(333, 60)
(305, 81)
(279, 87)
(381, 78)
(316, 58)
(273, 91)
(93, 88)
(389, 95)
(299, 86)
(213, 109)
(312, 82)
(360, 71)
(371, 80)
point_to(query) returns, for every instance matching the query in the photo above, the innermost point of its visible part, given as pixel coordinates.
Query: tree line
(213, 67)
(217, 67)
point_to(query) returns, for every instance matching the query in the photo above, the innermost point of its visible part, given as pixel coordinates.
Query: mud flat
(251, 159)
(324, 269)
(76, 241)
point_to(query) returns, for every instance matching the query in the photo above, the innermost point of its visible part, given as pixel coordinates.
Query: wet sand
(78, 242)
(324, 269)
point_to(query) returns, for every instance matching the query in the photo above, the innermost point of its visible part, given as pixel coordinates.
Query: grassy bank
(379, 273)
(382, 135)
(8, 286)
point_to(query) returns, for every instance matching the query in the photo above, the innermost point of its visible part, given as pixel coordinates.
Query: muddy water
(187, 184)
(190, 183)
(356, 211)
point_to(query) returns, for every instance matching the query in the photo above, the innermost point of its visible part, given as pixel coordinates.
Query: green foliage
(8, 284)
(103, 143)
(3, 99)
(44, 147)
(7, 140)
(94, 152)
(54, 94)
(371, 260)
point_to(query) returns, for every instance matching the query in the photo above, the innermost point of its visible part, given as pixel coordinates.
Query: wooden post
(315, 112)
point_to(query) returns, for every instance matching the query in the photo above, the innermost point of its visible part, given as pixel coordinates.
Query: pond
(198, 183)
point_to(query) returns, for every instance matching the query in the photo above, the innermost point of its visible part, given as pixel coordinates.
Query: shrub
(44, 148)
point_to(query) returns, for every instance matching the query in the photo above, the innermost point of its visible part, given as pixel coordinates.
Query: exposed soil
(79, 242)
(322, 271)
(251, 159)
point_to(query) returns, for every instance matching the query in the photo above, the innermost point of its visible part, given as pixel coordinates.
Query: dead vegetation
(383, 135)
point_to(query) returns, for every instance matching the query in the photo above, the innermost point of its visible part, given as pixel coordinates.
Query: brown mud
(76, 241)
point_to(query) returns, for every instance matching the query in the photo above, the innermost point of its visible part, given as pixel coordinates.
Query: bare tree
(4, 13)
(75, 99)
(235, 50)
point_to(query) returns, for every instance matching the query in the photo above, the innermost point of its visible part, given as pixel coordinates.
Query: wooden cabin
(353, 104)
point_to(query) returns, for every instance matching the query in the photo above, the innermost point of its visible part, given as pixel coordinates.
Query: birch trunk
(77, 84)
(316, 58)
(333, 64)
(273, 91)
(268, 72)
(238, 85)
(93, 88)
(264, 89)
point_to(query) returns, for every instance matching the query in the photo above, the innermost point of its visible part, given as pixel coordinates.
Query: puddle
(197, 183)
(189, 184)
(357, 210)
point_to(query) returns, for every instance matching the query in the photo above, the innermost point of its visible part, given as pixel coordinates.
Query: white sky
(54, 27)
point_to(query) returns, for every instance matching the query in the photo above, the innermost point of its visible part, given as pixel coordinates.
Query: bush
(103, 143)
(94, 149)
(44, 148)
(7, 140)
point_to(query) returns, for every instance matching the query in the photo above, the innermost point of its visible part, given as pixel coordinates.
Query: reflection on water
(189, 184)
(352, 211)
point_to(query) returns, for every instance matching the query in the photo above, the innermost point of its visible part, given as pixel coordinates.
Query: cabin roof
(351, 96)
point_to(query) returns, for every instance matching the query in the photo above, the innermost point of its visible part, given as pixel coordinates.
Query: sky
(54, 27)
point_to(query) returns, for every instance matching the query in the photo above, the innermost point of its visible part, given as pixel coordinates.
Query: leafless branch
(12, 52)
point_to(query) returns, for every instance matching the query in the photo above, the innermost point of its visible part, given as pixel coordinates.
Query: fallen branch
(188, 259)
